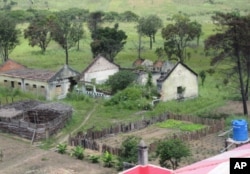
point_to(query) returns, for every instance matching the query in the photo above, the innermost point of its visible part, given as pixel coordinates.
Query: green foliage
(170, 152)
(94, 158)
(8, 35)
(108, 159)
(129, 150)
(130, 98)
(202, 74)
(78, 152)
(183, 126)
(120, 80)
(61, 148)
(108, 42)
(178, 35)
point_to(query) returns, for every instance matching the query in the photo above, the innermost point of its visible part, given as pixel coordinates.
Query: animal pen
(34, 120)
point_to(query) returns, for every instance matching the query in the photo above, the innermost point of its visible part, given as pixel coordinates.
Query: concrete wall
(180, 77)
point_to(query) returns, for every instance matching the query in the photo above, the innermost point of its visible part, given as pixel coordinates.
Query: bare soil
(23, 158)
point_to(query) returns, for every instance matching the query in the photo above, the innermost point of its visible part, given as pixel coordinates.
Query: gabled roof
(158, 63)
(164, 76)
(93, 63)
(138, 62)
(11, 65)
(64, 72)
(147, 169)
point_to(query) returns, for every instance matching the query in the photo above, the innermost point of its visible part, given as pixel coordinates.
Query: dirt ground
(23, 158)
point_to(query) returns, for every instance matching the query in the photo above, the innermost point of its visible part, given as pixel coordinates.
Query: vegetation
(170, 152)
(78, 152)
(108, 159)
(231, 42)
(183, 126)
(61, 148)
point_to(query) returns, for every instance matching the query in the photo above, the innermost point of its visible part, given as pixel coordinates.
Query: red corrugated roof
(147, 169)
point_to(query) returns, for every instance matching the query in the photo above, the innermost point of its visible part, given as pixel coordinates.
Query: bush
(78, 152)
(61, 148)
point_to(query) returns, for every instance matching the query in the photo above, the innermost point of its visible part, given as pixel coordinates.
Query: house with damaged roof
(51, 85)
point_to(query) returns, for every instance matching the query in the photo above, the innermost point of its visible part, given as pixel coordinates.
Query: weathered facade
(51, 85)
(99, 71)
(179, 83)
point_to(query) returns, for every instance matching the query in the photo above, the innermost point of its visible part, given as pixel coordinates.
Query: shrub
(78, 152)
(61, 148)
(94, 158)
(108, 159)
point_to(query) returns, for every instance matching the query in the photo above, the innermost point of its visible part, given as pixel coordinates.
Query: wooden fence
(87, 139)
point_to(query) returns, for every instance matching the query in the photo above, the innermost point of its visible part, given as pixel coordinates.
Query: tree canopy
(170, 152)
(149, 26)
(178, 35)
(232, 42)
(8, 35)
(66, 31)
(108, 42)
(39, 31)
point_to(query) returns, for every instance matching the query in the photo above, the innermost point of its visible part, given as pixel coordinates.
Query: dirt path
(65, 138)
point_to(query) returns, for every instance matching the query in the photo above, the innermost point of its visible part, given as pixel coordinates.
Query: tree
(170, 152)
(94, 21)
(108, 42)
(232, 42)
(8, 36)
(178, 35)
(39, 31)
(129, 150)
(149, 26)
(202, 74)
(129, 16)
(64, 31)
(120, 80)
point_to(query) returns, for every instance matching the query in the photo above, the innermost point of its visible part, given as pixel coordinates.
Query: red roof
(147, 169)
(11, 65)
(218, 164)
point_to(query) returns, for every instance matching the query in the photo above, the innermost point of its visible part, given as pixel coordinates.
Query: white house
(180, 82)
(99, 71)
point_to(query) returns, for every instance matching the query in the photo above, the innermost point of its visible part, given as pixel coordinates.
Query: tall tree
(39, 31)
(94, 21)
(64, 31)
(178, 35)
(108, 42)
(149, 26)
(171, 151)
(232, 42)
(8, 36)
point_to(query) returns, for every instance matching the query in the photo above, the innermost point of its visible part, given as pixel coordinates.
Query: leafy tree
(129, 150)
(64, 31)
(178, 35)
(232, 42)
(111, 16)
(120, 80)
(108, 159)
(8, 35)
(129, 16)
(94, 21)
(170, 152)
(61, 148)
(78, 152)
(149, 26)
(108, 42)
(39, 31)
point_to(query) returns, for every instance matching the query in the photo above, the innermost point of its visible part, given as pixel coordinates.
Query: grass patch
(181, 125)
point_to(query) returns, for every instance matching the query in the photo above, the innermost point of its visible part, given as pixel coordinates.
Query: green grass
(180, 125)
